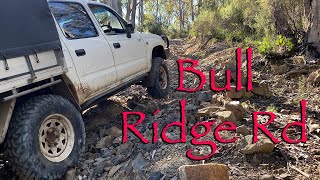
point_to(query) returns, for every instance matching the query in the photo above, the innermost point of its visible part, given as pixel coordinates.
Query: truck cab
(98, 43)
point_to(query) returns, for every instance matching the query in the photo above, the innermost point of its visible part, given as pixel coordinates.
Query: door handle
(80, 52)
(116, 45)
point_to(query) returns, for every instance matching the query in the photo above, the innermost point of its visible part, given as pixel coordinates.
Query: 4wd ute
(58, 58)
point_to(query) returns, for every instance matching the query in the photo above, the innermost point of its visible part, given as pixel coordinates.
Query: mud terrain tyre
(46, 136)
(160, 77)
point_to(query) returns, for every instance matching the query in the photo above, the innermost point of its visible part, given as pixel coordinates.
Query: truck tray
(24, 70)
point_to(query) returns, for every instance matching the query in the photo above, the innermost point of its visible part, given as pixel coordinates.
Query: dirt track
(163, 160)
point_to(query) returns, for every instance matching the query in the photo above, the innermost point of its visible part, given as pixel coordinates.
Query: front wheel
(46, 136)
(161, 79)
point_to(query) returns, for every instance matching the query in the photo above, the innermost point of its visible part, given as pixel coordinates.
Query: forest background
(278, 29)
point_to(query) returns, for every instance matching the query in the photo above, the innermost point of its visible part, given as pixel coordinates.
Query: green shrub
(272, 45)
(207, 25)
(285, 42)
(235, 21)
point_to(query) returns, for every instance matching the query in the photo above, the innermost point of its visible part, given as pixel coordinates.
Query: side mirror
(129, 29)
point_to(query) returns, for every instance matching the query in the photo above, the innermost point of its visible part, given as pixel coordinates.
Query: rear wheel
(46, 136)
(160, 78)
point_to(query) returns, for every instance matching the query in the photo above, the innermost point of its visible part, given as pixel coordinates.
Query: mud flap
(6, 110)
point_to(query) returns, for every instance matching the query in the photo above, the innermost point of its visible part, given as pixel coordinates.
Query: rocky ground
(278, 87)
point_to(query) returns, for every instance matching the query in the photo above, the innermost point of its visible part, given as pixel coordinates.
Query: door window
(108, 21)
(73, 20)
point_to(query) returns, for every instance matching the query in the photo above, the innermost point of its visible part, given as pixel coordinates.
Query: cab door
(129, 53)
(91, 53)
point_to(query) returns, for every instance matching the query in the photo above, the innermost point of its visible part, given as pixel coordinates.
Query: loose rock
(237, 95)
(209, 111)
(237, 109)
(124, 148)
(278, 70)
(204, 172)
(114, 170)
(285, 112)
(243, 130)
(314, 128)
(204, 96)
(261, 89)
(314, 77)
(264, 145)
(156, 176)
(104, 142)
(217, 100)
(113, 132)
(139, 163)
(267, 177)
(71, 175)
(100, 166)
(226, 116)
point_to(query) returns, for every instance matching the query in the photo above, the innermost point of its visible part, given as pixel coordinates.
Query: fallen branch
(205, 43)
(305, 69)
(236, 169)
(314, 136)
(301, 172)
(297, 71)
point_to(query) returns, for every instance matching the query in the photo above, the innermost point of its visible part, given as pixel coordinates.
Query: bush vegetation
(253, 22)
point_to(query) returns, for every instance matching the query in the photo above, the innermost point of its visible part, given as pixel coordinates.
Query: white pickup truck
(52, 68)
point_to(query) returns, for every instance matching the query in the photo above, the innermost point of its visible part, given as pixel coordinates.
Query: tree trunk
(281, 21)
(157, 11)
(213, 4)
(192, 10)
(119, 5)
(307, 11)
(312, 7)
(128, 11)
(199, 6)
(116, 5)
(181, 17)
(314, 30)
(133, 12)
(142, 12)
(282, 26)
